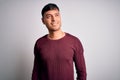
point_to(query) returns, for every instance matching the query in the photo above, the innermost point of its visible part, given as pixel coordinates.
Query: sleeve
(79, 61)
(35, 66)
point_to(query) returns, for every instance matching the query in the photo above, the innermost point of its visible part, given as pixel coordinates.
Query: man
(56, 51)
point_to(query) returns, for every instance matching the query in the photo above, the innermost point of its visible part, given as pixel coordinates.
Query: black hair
(50, 6)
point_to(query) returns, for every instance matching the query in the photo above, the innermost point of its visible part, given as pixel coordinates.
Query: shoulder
(41, 39)
(72, 37)
(75, 40)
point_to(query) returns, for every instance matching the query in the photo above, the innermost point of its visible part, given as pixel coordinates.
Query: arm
(35, 67)
(79, 61)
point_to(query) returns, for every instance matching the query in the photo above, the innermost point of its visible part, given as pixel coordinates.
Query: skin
(52, 20)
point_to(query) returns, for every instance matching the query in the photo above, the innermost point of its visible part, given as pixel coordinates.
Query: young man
(56, 51)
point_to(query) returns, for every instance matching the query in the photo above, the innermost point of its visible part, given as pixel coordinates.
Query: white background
(95, 22)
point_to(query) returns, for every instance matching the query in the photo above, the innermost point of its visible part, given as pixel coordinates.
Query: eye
(57, 14)
(48, 16)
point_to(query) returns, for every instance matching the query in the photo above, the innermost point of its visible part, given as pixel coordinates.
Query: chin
(55, 29)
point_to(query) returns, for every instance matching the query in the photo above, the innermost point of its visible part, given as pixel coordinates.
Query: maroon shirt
(54, 59)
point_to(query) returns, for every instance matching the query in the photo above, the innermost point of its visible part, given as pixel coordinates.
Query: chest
(59, 51)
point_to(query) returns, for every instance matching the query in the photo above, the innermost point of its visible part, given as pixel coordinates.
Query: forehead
(52, 12)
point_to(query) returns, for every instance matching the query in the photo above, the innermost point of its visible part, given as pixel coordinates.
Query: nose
(53, 18)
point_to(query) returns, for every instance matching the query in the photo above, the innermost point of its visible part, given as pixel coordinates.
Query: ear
(43, 20)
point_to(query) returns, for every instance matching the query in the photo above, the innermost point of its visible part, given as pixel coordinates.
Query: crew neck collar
(57, 39)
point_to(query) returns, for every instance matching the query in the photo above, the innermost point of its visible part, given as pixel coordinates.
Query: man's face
(52, 20)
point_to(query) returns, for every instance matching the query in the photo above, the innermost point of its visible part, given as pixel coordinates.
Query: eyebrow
(51, 14)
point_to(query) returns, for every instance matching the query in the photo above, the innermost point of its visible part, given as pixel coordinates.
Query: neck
(54, 35)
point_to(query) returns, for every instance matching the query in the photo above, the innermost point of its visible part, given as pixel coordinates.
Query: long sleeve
(35, 67)
(54, 59)
(79, 61)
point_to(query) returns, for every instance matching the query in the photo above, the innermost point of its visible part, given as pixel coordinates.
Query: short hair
(50, 6)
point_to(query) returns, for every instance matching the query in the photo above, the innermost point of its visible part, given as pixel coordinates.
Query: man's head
(51, 17)
(48, 7)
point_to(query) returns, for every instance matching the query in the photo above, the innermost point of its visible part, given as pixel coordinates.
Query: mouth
(53, 24)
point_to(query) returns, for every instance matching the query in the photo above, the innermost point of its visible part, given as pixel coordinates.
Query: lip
(54, 23)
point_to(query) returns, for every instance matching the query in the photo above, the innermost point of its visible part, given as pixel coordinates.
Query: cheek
(59, 19)
(46, 22)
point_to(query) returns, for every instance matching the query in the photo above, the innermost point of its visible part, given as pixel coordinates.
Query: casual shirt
(54, 59)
